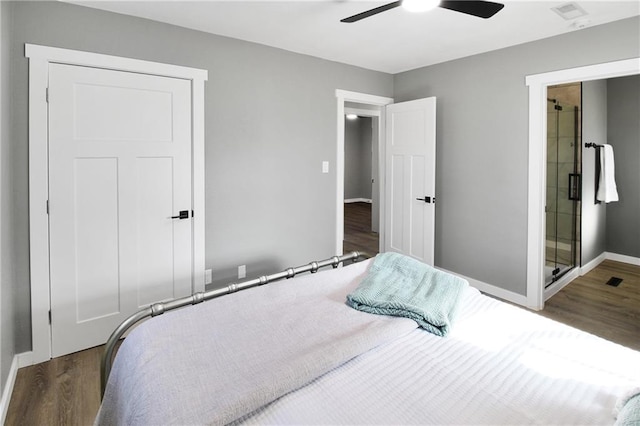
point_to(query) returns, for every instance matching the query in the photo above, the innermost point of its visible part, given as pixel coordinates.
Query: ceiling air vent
(569, 11)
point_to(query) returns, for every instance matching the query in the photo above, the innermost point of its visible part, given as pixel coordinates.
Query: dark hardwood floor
(357, 229)
(65, 390)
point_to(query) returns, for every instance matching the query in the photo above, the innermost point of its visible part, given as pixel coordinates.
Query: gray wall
(623, 133)
(482, 144)
(270, 122)
(357, 158)
(7, 255)
(594, 130)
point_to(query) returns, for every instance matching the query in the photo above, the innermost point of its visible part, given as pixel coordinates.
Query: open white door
(410, 160)
(119, 170)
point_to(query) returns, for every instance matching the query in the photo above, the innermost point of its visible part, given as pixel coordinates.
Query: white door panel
(154, 270)
(142, 115)
(396, 214)
(119, 169)
(95, 239)
(410, 176)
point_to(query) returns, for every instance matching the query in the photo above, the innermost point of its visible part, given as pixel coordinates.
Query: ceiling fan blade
(372, 12)
(481, 9)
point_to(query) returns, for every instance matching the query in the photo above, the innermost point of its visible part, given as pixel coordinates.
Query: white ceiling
(392, 42)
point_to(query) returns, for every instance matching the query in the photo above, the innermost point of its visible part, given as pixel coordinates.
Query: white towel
(607, 190)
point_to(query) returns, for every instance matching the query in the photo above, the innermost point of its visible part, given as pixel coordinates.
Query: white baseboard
(492, 290)
(609, 256)
(8, 389)
(357, 200)
(521, 300)
(623, 258)
(19, 360)
(585, 269)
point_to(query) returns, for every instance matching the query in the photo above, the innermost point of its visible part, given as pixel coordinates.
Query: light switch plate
(325, 167)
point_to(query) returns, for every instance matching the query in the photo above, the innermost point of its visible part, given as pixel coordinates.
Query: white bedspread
(498, 365)
(217, 361)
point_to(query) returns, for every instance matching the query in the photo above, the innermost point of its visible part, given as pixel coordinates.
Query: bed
(293, 352)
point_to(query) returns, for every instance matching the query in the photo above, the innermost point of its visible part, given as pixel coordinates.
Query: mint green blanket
(628, 409)
(398, 285)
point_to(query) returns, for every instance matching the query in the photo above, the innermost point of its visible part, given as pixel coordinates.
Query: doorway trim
(39, 59)
(343, 96)
(538, 84)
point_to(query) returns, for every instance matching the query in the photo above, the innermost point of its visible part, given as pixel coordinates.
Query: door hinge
(47, 206)
(47, 95)
(49, 316)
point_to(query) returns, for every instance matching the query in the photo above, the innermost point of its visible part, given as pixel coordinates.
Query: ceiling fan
(481, 9)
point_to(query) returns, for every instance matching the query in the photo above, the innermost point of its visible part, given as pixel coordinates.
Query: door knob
(184, 214)
(427, 199)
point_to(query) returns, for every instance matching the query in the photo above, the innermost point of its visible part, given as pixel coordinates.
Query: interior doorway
(538, 84)
(367, 106)
(361, 179)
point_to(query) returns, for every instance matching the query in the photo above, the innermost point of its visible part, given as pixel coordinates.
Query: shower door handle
(575, 186)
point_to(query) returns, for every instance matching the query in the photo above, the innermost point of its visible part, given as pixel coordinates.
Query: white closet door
(410, 178)
(119, 169)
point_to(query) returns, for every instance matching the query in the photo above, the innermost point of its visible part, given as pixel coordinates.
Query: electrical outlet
(207, 276)
(242, 271)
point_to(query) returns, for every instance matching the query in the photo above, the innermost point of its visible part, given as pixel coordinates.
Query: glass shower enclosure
(563, 189)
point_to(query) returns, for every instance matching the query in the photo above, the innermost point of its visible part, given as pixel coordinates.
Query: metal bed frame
(162, 307)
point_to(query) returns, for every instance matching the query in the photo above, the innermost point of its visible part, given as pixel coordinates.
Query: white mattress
(499, 365)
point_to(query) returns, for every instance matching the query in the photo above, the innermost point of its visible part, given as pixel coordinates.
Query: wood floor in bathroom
(589, 304)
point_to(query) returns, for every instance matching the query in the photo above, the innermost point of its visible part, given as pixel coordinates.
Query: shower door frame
(574, 190)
